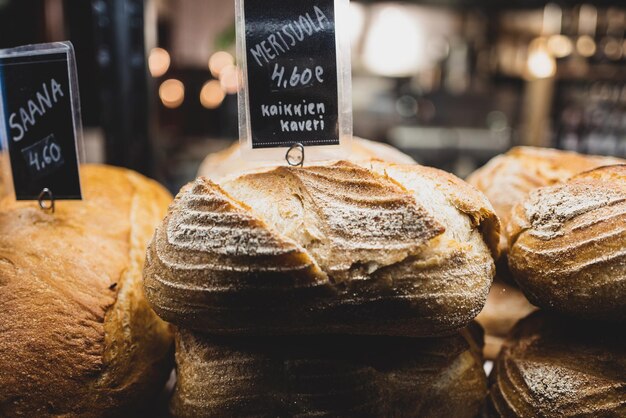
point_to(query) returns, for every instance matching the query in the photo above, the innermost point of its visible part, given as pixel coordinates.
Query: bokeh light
(172, 93)
(158, 62)
(586, 46)
(541, 64)
(212, 95)
(219, 61)
(229, 79)
(560, 45)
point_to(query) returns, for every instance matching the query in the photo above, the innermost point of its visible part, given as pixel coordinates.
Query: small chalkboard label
(292, 79)
(40, 120)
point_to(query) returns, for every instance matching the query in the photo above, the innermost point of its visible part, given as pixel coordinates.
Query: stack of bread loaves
(567, 252)
(301, 291)
(77, 336)
(506, 181)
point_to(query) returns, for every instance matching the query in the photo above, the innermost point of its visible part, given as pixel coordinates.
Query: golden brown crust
(342, 214)
(463, 196)
(555, 367)
(507, 179)
(77, 337)
(333, 248)
(568, 249)
(220, 165)
(310, 376)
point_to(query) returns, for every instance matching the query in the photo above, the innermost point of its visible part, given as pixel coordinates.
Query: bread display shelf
(345, 288)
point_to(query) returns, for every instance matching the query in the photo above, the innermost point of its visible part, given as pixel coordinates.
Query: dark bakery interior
(451, 83)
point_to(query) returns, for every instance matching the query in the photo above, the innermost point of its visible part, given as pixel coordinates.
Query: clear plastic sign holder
(57, 164)
(281, 63)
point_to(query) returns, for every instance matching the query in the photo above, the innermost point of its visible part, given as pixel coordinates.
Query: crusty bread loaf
(331, 376)
(507, 179)
(505, 306)
(224, 163)
(557, 367)
(389, 249)
(568, 245)
(77, 337)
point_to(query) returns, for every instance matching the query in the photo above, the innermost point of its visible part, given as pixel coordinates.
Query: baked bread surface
(568, 245)
(507, 179)
(330, 376)
(388, 249)
(77, 337)
(557, 367)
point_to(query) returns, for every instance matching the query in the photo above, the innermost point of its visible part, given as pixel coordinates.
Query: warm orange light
(541, 64)
(586, 46)
(172, 93)
(219, 61)
(158, 62)
(560, 45)
(395, 42)
(612, 48)
(229, 79)
(212, 95)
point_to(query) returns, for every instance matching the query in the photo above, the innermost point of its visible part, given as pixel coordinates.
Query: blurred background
(452, 82)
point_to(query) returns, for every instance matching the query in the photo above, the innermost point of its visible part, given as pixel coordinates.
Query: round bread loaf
(557, 367)
(332, 376)
(77, 337)
(568, 245)
(505, 306)
(507, 179)
(389, 249)
(224, 163)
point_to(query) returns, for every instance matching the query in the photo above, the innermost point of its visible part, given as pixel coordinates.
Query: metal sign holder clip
(46, 196)
(296, 160)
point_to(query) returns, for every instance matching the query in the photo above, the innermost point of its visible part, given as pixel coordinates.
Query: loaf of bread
(568, 245)
(221, 164)
(337, 248)
(507, 179)
(77, 337)
(557, 367)
(505, 306)
(332, 376)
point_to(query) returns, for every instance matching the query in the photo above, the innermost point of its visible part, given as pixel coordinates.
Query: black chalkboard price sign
(40, 120)
(291, 67)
